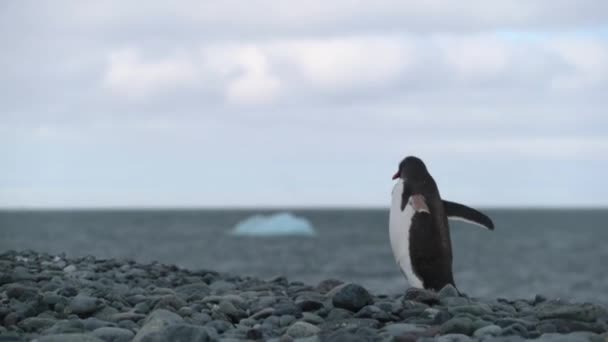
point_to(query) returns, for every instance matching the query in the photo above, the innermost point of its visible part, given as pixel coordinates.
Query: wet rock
(453, 338)
(263, 313)
(448, 291)
(302, 329)
(36, 324)
(65, 327)
(83, 305)
(68, 338)
(421, 296)
(185, 333)
(372, 311)
(327, 285)
(489, 330)
(350, 296)
(112, 334)
(579, 312)
(401, 329)
(457, 325)
(21, 292)
(156, 322)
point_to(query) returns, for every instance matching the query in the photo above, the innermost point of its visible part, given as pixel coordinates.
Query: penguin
(418, 226)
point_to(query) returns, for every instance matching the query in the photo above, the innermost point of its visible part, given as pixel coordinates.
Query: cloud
(129, 74)
(333, 64)
(298, 70)
(587, 59)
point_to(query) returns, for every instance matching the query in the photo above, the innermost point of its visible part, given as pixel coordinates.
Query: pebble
(350, 296)
(86, 299)
(302, 329)
(83, 305)
(111, 334)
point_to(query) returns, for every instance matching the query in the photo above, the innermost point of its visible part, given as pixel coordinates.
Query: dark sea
(557, 253)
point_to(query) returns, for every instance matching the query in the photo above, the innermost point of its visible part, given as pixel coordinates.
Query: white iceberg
(274, 225)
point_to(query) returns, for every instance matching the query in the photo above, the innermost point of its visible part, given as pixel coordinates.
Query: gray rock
(351, 323)
(337, 313)
(372, 311)
(457, 325)
(448, 291)
(219, 326)
(83, 305)
(169, 302)
(130, 316)
(286, 320)
(155, 323)
(453, 338)
(68, 338)
(222, 286)
(93, 323)
(306, 304)
(185, 333)
(489, 330)
(546, 328)
(263, 313)
(65, 327)
(473, 309)
(21, 292)
(515, 329)
(35, 324)
(350, 296)
(312, 318)
(69, 269)
(580, 312)
(572, 337)
(302, 329)
(400, 329)
(328, 284)
(193, 291)
(111, 334)
(287, 308)
(421, 296)
(231, 311)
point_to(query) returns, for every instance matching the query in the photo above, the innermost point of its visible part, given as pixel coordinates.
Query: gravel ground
(52, 298)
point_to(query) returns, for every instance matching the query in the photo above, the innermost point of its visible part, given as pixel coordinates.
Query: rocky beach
(53, 298)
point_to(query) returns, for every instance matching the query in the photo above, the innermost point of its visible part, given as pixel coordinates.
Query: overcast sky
(301, 103)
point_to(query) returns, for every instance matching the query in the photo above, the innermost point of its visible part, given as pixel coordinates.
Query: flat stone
(35, 324)
(489, 330)
(83, 305)
(263, 313)
(65, 327)
(131, 316)
(112, 334)
(580, 312)
(453, 338)
(68, 338)
(457, 325)
(185, 333)
(312, 318)
(157, 320)
(400, 329)
(302, 329)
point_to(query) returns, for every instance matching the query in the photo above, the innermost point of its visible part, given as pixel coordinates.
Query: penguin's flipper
(460, 212)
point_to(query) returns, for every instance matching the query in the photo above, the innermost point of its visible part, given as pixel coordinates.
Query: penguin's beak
(396, 175)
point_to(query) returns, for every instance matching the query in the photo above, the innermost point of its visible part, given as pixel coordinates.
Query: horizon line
(276, 207)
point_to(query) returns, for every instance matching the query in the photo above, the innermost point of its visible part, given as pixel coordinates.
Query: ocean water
(557, 253)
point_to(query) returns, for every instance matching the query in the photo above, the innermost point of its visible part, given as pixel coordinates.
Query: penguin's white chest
(399, 233)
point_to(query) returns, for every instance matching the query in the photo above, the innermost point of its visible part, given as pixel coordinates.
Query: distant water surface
(558, 253)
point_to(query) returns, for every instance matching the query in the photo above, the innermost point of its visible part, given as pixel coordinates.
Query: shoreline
(52, 298)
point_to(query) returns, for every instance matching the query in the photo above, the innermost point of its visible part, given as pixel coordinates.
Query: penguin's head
(412, 170)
